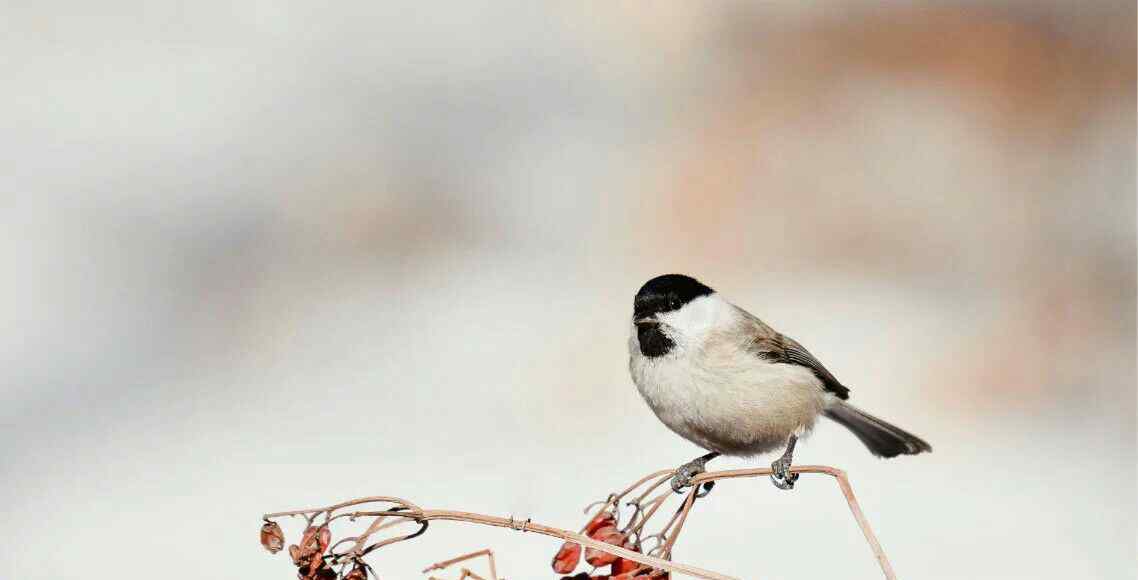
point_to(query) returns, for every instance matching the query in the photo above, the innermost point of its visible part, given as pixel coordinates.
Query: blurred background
(270, 255)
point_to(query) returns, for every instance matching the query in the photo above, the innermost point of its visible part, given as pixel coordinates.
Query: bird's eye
(673, 302)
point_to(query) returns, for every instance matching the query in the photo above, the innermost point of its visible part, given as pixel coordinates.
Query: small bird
(721, 378)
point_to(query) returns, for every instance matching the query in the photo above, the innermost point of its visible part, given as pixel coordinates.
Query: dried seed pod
(358, 572)
(608, 535)
(308, 541)
(321, 572)
(272, 538)
(567, 558)
(620, 566)
(309, 553)
(601, 520)
(601, 532)
(323, 538)
(596, 557)
(318, 568)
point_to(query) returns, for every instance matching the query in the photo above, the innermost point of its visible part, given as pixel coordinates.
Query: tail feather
(882, 439)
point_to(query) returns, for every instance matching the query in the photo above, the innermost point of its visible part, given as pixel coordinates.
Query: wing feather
(779, 348)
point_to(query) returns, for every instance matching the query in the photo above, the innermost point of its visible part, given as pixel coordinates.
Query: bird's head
(659, 311)
(665, 294)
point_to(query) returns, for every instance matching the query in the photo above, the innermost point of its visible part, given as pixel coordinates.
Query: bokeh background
(267, 255)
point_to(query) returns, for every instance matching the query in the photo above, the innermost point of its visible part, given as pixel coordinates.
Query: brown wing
(779, 348)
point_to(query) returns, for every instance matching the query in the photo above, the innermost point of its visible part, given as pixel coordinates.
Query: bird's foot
(782, 478)
(685, 473)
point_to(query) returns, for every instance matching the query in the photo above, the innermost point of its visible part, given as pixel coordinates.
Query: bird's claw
(784, 483)
(782, 478)
(685, 473)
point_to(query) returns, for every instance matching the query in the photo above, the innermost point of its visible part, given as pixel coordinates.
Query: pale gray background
(262, 255)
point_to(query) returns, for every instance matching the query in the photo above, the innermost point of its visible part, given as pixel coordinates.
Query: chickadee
(724, 380)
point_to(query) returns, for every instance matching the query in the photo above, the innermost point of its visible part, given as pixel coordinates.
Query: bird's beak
(645, 320)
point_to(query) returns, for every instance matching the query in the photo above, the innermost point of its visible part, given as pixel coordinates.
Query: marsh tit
(724, 380)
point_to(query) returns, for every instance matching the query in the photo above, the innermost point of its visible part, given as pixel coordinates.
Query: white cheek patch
(693, 320)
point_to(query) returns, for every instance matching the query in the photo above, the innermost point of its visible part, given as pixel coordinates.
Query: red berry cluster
(309, 554)
(603, 528)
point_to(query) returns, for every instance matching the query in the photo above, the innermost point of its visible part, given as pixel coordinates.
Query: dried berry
(620, 566)
(358, 572)
(323, 538)
(608, 535)
(308, 542)
(596, 557)
(321, 572)
(601, 532)
(599, 521)
(309, 553)
(567, 558)
(272, 538)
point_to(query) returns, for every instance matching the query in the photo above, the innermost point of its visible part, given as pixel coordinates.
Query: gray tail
(882, 439)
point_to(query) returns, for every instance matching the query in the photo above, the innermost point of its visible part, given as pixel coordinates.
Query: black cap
(666, 293)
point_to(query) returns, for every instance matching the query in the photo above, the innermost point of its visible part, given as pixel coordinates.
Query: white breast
(716, 394)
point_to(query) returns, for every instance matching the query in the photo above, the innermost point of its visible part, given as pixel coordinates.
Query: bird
(726, 381)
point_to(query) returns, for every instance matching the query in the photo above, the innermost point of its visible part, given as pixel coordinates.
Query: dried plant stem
(679, 518)
(332, 508)
(655, 504)
(466, 573)
(614, 499)
(662, 476)
(843, 484)
(487, 552)
(405, 511)
(566, 535)
(420, 515)
(376, 525)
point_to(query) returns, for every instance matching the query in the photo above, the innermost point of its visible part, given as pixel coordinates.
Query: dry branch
(487, 552)
(659, 558)
(843, 484)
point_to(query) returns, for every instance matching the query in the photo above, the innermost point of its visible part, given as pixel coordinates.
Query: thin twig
(655, 504)
(680, 517)
(843, 484)
(565, 535)
(467, 573)
(666, 476)
(486, 552)
(663, 474)
(332, 508)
